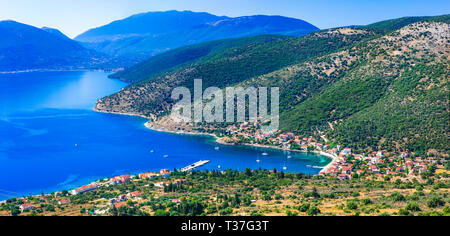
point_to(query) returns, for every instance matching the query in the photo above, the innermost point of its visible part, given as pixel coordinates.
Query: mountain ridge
(25, 47)
(141, 36)
(339, 93)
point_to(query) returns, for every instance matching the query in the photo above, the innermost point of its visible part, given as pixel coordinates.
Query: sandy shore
(334, 159)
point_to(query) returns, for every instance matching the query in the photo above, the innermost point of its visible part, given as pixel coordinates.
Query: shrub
(413, 206)
(397, 197)
(313, 211)
(434, 202)
(404, 212)
(352, 205)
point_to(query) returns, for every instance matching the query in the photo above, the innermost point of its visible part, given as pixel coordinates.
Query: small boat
(152, 151)
(289, 157)
(76, 144)
(265, 154)
(166, 156)
(217, 148)
(285, 168)
(258, 160)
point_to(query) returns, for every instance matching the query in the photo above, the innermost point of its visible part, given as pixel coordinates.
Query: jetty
(194, 166)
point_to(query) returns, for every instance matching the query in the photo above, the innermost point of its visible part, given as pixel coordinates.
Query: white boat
(285, 168)
(152, 151)
(166, 156)
(289, 157)
(217, 148)
(258, 161)
(265, 154)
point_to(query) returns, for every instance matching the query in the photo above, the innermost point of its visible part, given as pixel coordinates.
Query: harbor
(194, 166)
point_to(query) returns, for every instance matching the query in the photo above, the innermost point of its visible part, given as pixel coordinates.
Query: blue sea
(51, 140)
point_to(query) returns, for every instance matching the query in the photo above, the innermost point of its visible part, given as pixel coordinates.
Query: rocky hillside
(389, 93)
(372, 90)
(225, 68)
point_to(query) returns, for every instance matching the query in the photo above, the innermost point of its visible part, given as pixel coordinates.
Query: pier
(194, 166)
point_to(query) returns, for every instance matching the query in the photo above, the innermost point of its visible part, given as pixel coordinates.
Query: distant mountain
(144, 35)
(55, 32)
(24, 47)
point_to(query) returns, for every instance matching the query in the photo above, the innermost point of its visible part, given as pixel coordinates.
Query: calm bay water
(50, 140)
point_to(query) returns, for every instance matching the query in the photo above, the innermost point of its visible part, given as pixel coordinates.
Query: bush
(352, 205)
(290, 213)
(397, 197)
(305, 207)
(413, 206)
(404, 212)
(226, 211)
(161, 213)
(446, 210)
(435, 202)
(366, 201)
(313, 211)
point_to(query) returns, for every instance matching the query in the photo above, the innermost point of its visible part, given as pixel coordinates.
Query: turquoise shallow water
(50, 140)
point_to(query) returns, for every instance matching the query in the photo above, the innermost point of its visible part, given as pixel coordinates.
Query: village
(345, 165)
(122, 200)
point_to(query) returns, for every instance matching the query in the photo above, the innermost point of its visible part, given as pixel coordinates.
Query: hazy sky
(73, 17)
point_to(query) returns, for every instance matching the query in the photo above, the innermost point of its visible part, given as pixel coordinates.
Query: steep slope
(188, 54)
(396, 24)
(371, 92)
(55, 32)
(24, 47)
(228, 67)
(142, 36)
(390, 93)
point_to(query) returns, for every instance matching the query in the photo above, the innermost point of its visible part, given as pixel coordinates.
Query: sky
(73, 17)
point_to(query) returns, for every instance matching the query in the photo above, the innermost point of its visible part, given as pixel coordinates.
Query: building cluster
(346, 164)
(84, 189)
(122, 179)
(122, 199)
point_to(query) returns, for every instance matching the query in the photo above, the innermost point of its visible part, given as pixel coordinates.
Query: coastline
(218, 140)
(120, 113)
(54, 70)
(333, 158)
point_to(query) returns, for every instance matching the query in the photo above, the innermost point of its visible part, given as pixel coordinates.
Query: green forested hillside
(362, 88)
(228, 67)
(189, 54)
(389, 93)
(395, 24)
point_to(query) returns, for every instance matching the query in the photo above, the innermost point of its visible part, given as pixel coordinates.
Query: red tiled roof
(120, 204)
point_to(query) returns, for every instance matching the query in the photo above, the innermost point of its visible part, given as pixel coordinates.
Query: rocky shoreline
(221, 142)
(218, 140)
